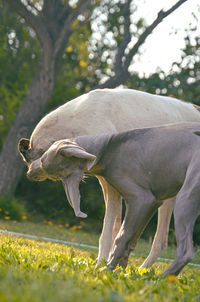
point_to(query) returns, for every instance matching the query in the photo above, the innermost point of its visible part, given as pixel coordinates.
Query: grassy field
(34, 270)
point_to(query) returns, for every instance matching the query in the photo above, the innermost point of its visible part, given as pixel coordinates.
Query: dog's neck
(95, 145)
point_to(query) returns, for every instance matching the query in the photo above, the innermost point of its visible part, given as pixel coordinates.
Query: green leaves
(11, 208)
(18, 63)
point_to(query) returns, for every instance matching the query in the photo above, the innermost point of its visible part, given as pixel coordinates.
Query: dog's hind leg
(186, 211)
(161, 237)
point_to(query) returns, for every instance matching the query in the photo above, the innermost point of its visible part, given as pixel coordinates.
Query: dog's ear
(23, 144)
(23, 147)
(78, 152)
(197, 132)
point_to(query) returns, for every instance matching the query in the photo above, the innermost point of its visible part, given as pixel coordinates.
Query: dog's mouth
(35, 172)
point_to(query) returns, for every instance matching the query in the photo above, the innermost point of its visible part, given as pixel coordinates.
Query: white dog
(110, 111)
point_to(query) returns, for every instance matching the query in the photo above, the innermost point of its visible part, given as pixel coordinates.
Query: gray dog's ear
(197, 132)
(78, 152)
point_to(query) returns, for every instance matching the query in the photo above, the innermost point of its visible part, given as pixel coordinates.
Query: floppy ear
(78, 152)
(23, 147)
(23, 144)
(197, 132)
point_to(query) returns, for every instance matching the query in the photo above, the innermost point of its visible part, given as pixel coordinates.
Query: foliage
(18, 63)
(47, 201)
(75, 76)
(43, 271)
(87, 59)
(182, 81)
(11, 208)
(107, 34)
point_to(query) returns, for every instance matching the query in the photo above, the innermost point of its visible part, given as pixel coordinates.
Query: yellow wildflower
(69, 49)
(6, 212)
(82, 63)
(7, 217)
(24, 217)
(79, 227)
(172, 278)
(74, 228)
(142, 271)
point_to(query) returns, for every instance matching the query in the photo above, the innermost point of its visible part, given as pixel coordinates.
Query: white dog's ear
(78, 152)
(23, 147)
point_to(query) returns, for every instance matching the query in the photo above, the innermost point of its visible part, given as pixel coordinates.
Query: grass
(34, 270)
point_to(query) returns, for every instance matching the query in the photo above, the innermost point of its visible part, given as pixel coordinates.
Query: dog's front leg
(161, 237)
(139, 209)
(112, 219)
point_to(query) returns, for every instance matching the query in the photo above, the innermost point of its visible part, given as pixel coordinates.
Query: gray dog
(146, 166)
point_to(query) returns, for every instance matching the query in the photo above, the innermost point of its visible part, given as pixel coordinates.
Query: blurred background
(151, 45)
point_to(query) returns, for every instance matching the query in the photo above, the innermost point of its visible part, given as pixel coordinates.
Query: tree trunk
(53, 40)
(53, 26)
(29, 114)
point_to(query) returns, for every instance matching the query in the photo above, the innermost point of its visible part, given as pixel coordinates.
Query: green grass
(34, 270)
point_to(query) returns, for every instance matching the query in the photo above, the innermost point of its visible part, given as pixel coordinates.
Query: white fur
(113, 110)
(109, 110)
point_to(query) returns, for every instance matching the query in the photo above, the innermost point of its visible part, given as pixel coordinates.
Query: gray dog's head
(65, 161)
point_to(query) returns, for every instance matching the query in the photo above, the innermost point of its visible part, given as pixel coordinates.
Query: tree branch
(34, 21)
(161, 15)
(66, 29)
(126, 38)
(122, 74)
(30, 3)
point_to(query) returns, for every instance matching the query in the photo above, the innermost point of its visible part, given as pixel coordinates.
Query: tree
(125, 52)
(18, 63)
(183, 80)
(53, 26)
(52, 22)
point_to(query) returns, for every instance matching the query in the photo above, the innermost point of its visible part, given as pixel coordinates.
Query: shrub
(11, 208)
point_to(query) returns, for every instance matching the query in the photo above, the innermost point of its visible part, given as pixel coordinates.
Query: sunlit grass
(34, 270)
(46, 229)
